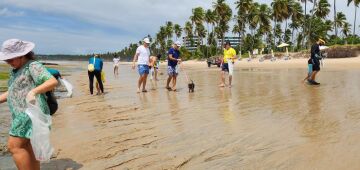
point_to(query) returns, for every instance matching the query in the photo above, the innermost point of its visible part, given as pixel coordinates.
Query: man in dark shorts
(315, 61)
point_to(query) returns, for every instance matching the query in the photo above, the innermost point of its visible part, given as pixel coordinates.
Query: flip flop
(168, 88)
(144, 91)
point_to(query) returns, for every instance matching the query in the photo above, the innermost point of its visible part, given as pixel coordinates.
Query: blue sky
(98, 26)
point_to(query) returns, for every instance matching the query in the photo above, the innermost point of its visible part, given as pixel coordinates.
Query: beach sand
(269, 119)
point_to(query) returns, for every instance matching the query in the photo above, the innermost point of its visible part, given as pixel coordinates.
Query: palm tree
(322, 10)
(188, 29)
(340, 20)
(198, 15)
(224, 13)
(169, 29)
(304, 23)
(280, 12)
(201, 33)
(198, 18)
(356, 4)
(178, 31)
(346, 29)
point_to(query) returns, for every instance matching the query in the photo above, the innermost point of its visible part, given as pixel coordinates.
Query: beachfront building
(235, 41)
(191, 43)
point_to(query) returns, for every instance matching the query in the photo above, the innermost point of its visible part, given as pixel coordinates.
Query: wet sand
(268, 120)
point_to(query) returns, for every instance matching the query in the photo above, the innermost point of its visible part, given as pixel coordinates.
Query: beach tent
(283, 45)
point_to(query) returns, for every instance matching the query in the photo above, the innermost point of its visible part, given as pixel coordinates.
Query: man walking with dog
(173, 61)
(229, 57)
(142, 56)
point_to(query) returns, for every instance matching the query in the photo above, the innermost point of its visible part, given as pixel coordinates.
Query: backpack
(51, 101)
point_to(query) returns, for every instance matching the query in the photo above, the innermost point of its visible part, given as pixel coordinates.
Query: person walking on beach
(315, 61)
(154, 66)
(29, 81)
(98, 66)
(173, 61)
(142, 56)
(229, 56)
(116, 61)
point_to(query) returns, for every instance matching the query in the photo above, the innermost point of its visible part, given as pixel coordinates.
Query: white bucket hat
(14, 48)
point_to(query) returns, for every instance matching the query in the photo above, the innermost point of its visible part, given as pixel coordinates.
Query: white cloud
(54, 42)
(7, 13)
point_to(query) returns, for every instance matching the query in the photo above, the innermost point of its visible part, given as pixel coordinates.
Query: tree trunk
(336, 31)
(355, 20)
(275, 34)
(292, 39)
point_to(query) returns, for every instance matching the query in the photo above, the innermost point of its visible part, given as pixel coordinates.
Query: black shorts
(225, 67)
(315, 64)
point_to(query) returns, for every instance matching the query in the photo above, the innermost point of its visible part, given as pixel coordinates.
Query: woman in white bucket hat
(28, 81)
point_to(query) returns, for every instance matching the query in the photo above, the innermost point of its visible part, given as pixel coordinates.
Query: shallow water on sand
(267, 120)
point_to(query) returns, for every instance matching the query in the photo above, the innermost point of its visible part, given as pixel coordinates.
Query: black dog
(191, 86)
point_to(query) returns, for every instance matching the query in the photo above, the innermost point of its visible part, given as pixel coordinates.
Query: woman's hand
(30, 97)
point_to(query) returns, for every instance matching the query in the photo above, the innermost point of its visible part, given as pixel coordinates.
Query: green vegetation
(259, 26)
(4, 76)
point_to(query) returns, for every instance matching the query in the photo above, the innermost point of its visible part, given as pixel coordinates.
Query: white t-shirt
(144, 55)
(116, 61)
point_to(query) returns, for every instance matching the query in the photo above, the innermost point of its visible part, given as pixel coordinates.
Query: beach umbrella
(283, 45)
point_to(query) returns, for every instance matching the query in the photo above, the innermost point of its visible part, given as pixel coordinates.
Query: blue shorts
(225, 67)
(172, 71)
(143, 69)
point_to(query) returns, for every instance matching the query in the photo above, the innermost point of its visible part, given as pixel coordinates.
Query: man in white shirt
(142, 56)
(116, 65)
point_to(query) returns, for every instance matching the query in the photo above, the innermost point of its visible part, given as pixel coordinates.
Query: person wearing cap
(142, 56)
(229, 56)
(315, 61)
(29, 81)
(98, 67)
(173, 60)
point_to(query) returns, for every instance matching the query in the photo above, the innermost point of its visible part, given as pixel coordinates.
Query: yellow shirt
(229, 54)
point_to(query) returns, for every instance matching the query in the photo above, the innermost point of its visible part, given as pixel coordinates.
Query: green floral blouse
(21, 81)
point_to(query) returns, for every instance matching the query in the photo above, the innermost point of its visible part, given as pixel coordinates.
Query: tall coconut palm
(224, 13)
(198, 15)
(322, 9)
(169, 29)
(302, 38)
(201, 33)
(346, 29)
(356, 4)
(340, 20)
(280, 12)
(177, 31)
(188, 29)
(197, 18)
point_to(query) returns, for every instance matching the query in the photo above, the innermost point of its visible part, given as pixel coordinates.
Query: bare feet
(222, 85)
(138, 91)
(230, 86)
(144, 90)
(168, 88)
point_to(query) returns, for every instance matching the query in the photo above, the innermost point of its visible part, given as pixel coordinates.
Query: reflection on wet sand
(267, 120)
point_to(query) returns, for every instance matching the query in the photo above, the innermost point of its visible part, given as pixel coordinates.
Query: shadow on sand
(61, 164)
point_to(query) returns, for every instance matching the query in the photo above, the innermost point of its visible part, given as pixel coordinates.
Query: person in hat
(315, 61)
(229, 56)
(142, 56)
(173, 61)
(29, 81)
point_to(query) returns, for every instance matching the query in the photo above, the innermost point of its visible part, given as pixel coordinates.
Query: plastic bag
(40, 136)
(231, 68)
(68, 87)
(151, 72)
